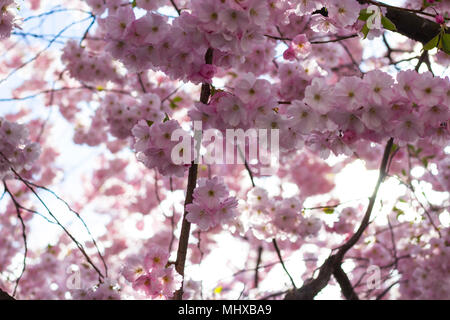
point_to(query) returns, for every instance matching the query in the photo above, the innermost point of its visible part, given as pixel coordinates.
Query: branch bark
(345, 284)
(311, 288)
(5, 296)
(410, 24)
(192, 181)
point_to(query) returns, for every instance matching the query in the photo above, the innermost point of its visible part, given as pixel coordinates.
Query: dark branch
(5, 296)
(275, 245)
(345, 284)
(192, 181)
(410, 24)
(312, 287)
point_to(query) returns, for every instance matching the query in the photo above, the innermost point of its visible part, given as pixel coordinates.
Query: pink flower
(232, 110)
(289, 54)
(156, 258)
(200, 215)
(307, 6)
(154, 147)
(406, 84)
(344, 12)
(258, 12)
(211, 205)
(117, 24)
(408, 129)
(149, 4)
(149, 284)
(429, 90)
(350, 92)
(318, 96)
(379, 86)
(157, 27)
(233, 19)
(251, 89)
(133, 268)
(16, 151)
(374, 116)
(209, 192)
(286, 219)
(301, 45)
(304, 118)
(98, 6)
(171, 281)
(227, 210)
(207, 71)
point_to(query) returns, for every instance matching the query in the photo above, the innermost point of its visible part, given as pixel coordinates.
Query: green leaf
(173, 105)
(398, 211)
(388, 24)
(133, 4)
(446, 42)
(149, 123)
(432, 43)
(365, 30)
(395, 147)
(328, 210)
(166, 118)
(177, 99)
(364, 15)
(426, 4)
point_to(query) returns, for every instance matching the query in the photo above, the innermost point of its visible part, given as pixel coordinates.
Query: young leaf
(388, 24)
(432, 43)
(446, 42)
(177, 99)
(166, 118)
(364, 15)
(365, 30)
(328, 210)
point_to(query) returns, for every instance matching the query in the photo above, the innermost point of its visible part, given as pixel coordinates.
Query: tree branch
(345, 284)
(192, 181)
(5, 296)
(312, 287)
(409, 23)
(275, 245)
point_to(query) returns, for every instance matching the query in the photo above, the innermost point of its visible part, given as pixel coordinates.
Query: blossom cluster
(251, 102)
(16, 150)
(211, 205)
(151, 275)
(426, 273)
(278, 217)
(106, 290)
(88, 67)
(124, 112)
(7, 17)
(154, 146)
(178, 48)
(337, 116)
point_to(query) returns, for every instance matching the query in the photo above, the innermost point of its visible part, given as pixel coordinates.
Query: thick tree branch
(410, 24)
(5, 296)
(345, 284)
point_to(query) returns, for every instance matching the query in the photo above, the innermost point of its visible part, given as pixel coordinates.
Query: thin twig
(275, 245)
